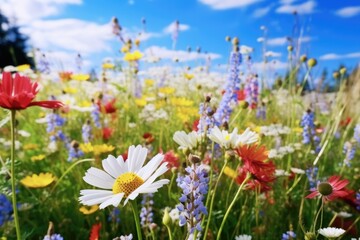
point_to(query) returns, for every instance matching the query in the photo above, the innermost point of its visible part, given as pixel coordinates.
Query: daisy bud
(342, 70)
(325, 188)
(311, 62)
(336, 75)
(290, 48)
(227, 38)
(310, 236)
(166, 218)
(194, 159)
(303, 58)
(244, 104)
(235, 41)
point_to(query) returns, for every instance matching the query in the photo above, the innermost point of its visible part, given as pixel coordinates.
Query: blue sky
(330, 30)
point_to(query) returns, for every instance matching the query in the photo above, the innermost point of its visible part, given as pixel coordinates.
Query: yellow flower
(89, 210)
(125, 49)
(38, 181)
(181, 102)
(126, 106)
(134, 56)
(80, 77)
(30, 146)
(23, 67)
(188, 76)
(149, 82)
(186, 113)
(108, 66)
(297, 130)
(103, 148)
(140, 102)
(38, 157)
(137, 42)
(167, 90)
(85, 103)
(70, 90)
(230, 172)
(86, 147)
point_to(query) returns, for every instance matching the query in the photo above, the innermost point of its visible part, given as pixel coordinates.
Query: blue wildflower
(194, 187)
(53, 237)
(6, 210)
(288, 235)
(146, 214)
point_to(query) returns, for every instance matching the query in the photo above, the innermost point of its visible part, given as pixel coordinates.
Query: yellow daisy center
(227, 137)
(127, 183)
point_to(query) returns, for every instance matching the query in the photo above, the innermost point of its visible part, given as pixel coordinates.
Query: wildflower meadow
(148, 149)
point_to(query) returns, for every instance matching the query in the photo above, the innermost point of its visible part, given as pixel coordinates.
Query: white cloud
(277, 41)
(348, 11)
(280, 41)
(27, 11)
(272, 54)
(226, 4)
(70, 34)
(269, 66)
(183, 56)
(246, 49)
(260, 12)
(171, 27)
(303, 8)
(334, 56)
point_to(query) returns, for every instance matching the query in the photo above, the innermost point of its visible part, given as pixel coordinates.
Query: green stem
(317, 215)
(212, 200)
(231, 205)
(169, 231)
(13, 187)
(137, 220)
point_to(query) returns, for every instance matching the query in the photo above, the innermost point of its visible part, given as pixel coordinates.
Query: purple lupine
(207, 119)
(357, 133)
(114, 216)
(54, 124)
(261, 111)
(6, 210)
(230, 98)
(309, 134)
(252, 90)
(349, 151)
(95, 114)
(146, 214)
(86, 132)
(43, 64)
(74, 151)
(53, 237)
(357, 201)
(311, 174)
(288, 235)
(194, 187)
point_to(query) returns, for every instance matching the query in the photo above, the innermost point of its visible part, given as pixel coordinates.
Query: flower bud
(311, 62)
(235, 41)
(310, 236)
(336, 75)
(166, 220)
(194, 159)
(303, 58)
(342, 70)
(290, 48)
(227, 38)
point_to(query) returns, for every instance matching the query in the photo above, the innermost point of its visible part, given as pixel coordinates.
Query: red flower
(262, 171)
(106, 133)
(332, 189)
(171, 159)
(19, 93)
(195, 125)
(95, 231)
(148, 137)
(110, 106)
(241, 95)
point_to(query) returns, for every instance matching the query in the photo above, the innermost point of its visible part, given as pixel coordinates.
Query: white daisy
(331, 232)
(125, 179)
(243, 237)
(223, 138)
(297, 170)
(247, 137)
(187, 141)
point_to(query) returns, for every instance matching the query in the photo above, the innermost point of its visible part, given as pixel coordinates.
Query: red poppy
(241, 95)
(110, 106)
(95, 231)
(19, 93)
(148, 137)
(195, 125)
(345, 122)
(106, 133)
(332, 189)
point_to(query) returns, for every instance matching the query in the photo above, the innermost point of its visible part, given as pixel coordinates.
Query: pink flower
(330, 190)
